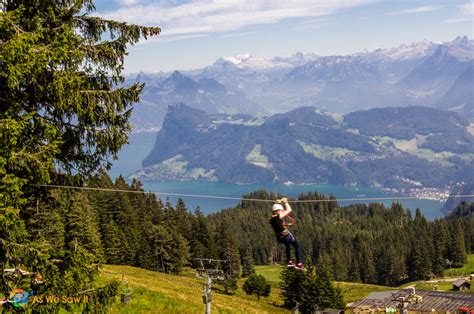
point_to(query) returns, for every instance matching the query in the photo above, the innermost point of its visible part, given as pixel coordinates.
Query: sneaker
(300, 266)
(290, 264)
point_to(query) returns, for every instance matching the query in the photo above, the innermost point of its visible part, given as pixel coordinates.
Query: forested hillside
(371, 244)
(360, 243)
(398, 148)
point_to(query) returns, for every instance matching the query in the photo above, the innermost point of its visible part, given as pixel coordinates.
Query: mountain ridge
(309, 145)
(420, 73)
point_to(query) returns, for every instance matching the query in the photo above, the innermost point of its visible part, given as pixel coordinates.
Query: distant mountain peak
(177, 75)
(413, 50)
(239, 58)
(462, 48)
(179, 80)
(461, 40)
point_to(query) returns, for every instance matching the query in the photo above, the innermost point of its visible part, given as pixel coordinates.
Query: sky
(194, 33)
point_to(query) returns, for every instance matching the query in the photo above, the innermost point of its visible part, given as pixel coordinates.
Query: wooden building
(461, 285)
(409, 301)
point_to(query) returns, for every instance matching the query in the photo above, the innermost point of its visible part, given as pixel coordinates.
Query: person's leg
(288, 252)
(297, 247)
(287, 242)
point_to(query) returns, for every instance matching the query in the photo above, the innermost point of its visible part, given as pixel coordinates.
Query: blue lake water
(131, 155)
(431, 209)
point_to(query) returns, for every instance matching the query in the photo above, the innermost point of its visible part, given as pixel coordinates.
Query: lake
(431, 209)
(131, 155)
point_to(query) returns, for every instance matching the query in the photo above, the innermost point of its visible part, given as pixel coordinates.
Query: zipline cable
(394, 198)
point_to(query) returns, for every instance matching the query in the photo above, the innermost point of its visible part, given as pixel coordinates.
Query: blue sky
(195, 33)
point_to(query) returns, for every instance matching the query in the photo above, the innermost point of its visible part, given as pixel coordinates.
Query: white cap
(277, 207)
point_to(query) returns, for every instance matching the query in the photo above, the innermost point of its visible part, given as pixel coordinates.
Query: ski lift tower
(405, 297)
(209, 269)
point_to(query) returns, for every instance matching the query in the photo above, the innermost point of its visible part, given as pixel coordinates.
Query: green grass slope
(463, 271)
(351, 291)
(154, 292)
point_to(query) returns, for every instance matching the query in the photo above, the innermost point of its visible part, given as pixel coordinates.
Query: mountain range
(399, 147)
(437, 75)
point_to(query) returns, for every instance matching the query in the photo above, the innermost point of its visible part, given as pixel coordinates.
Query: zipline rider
(280, 226)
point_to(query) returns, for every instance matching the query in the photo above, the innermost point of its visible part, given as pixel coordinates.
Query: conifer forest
(65, 114)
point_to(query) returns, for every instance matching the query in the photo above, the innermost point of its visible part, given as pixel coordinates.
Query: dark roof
(431, 301)
(460, 282)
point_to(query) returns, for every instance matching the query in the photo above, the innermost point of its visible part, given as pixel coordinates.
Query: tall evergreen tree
(420, 261)
(171, 249)
(291, 286)
(60, 111)
(440, 240)
(229, 252)
(201, 242)
(457, 248)
(318, 291)
(248, 267)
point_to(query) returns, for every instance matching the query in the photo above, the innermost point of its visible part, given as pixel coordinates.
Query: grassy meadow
(463, 271)
(154, 292)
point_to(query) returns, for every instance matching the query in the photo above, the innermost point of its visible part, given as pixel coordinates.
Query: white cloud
(309, 24)
(211, 16)
(312, 21)
(467, 9)
(127, 2)
(465, 13)
(422, 9)
(239, 34)
(167, 39)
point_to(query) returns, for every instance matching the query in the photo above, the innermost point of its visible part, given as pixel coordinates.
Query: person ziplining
(279, 222)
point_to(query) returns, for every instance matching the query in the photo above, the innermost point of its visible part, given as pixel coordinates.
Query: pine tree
(248, 267)
(291, 287)
(228, 251)
(171, 249)
(60, 108)
(258, 285)
(457, 248)
(367, 270)
(111, 238)
(201, 243)
(354, 271)
(318, 292)
(386, 267)
(184, 219)
(330, 296)
(420, 261)
(440, 240)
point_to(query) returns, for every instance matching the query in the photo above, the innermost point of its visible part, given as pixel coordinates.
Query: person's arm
(292, 220)
(287, 208)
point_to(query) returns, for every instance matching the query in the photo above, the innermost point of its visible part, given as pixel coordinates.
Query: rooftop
(430, 300)
(460, 282)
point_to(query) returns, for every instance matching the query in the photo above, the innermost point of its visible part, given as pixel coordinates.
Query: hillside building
(461, 285)
(411, 301)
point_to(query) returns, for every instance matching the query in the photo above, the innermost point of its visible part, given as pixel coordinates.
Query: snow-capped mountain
(412, 51)
(249, 62)
(433, 77)
(249, 73)
(462, 48)
(337, 68)
(419, 73)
